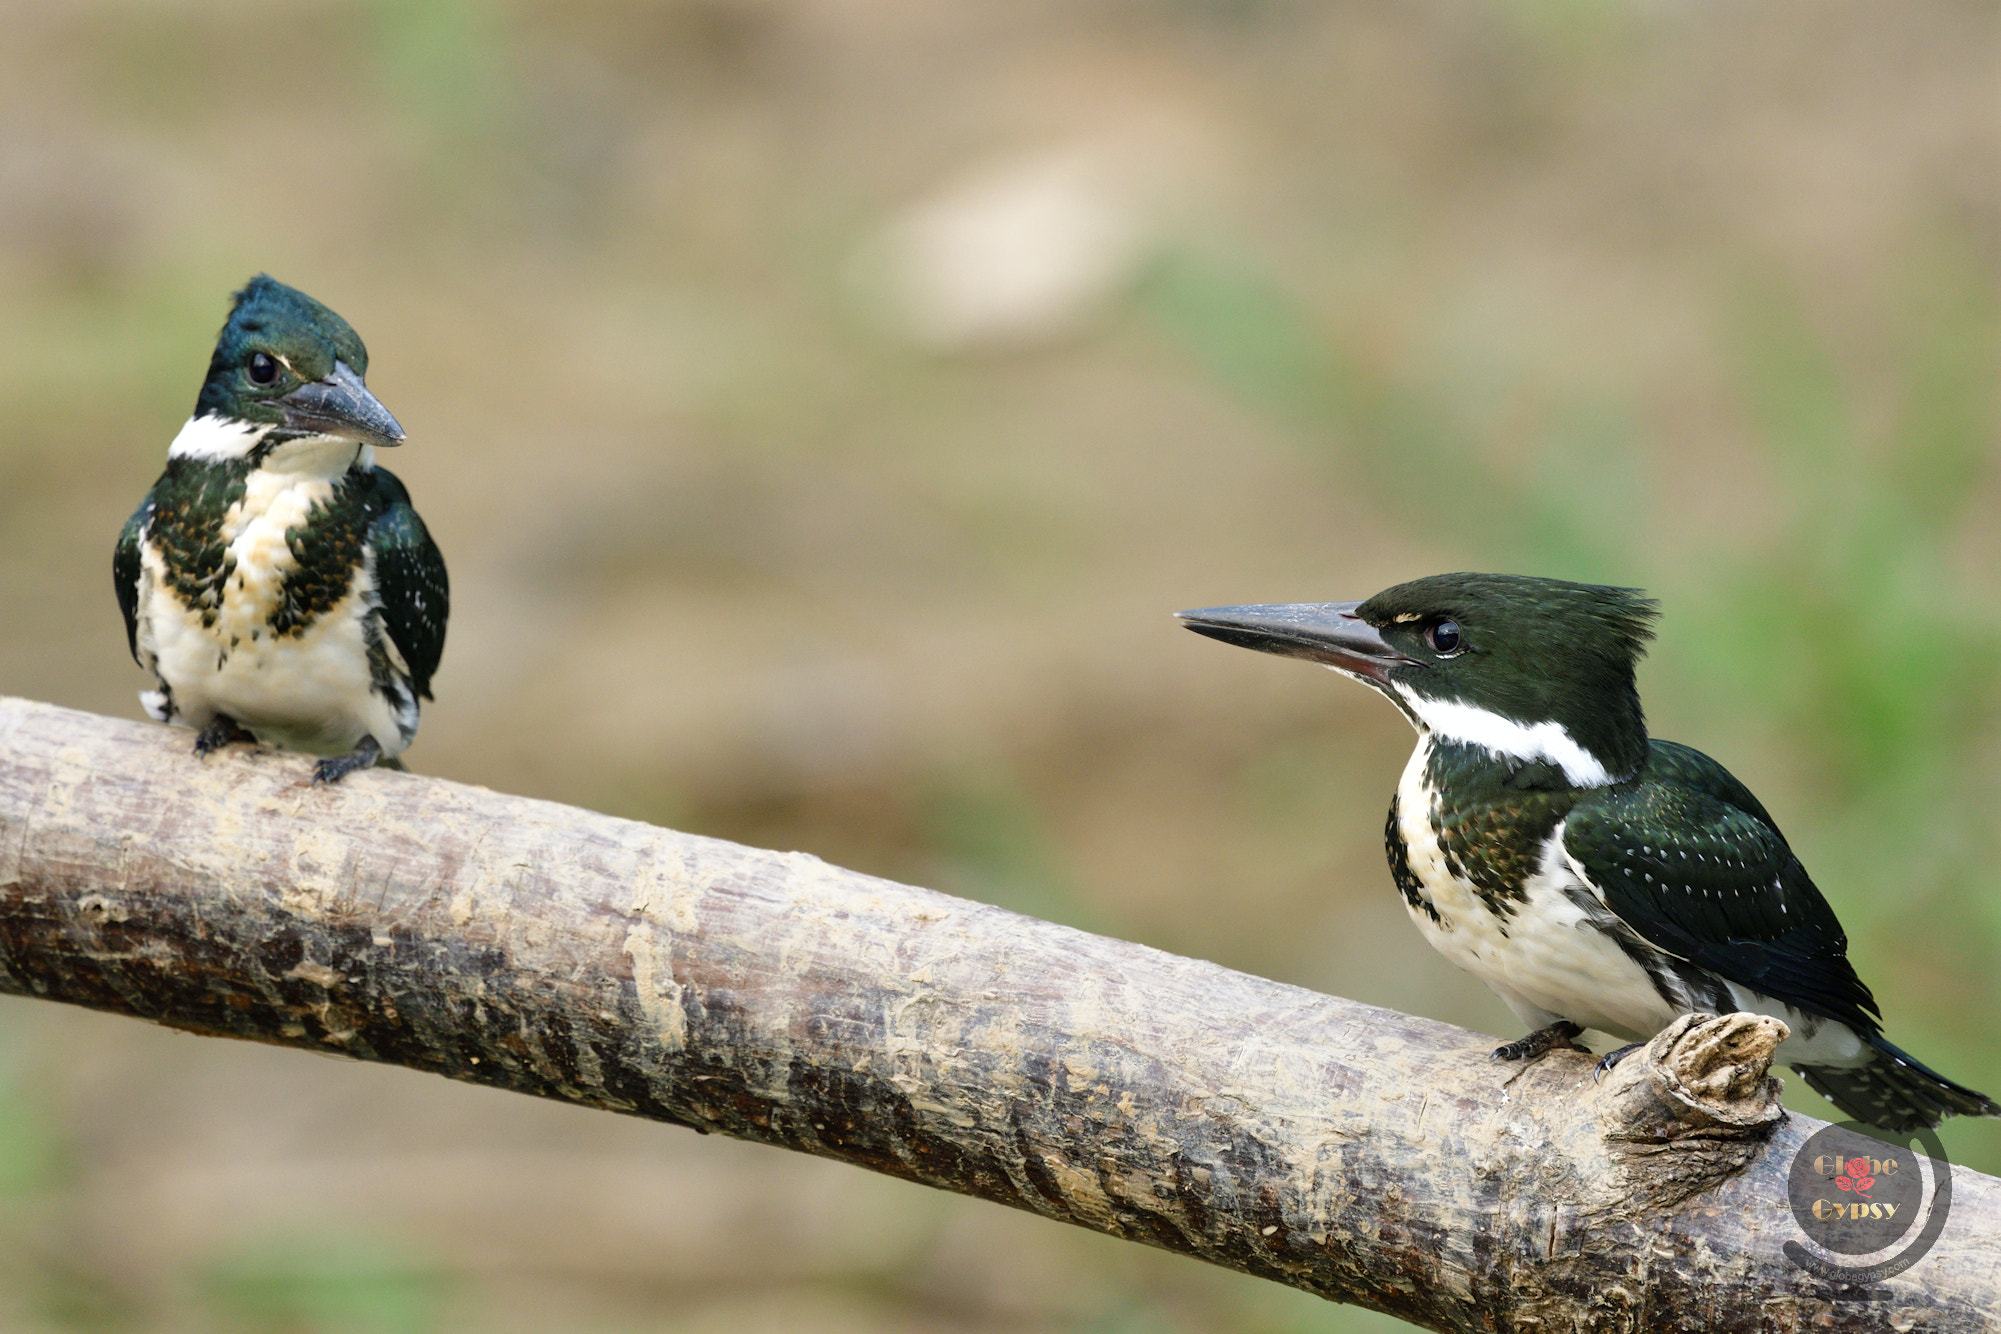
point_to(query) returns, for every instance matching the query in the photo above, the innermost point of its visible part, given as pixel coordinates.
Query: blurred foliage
(992, 843)
(30, 1148)
(1409, 437)
(337, 1285)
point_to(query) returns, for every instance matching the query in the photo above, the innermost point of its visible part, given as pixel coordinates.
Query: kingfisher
(1590, 875)
(276, 582)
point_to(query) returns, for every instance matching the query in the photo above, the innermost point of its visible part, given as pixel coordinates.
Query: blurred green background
(823, 407)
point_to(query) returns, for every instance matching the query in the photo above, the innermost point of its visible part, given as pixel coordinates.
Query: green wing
(126, 569)
(1687, 857)
(410, 579)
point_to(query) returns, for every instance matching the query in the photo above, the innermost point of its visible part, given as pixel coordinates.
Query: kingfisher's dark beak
(1324, 632)
(341, 405)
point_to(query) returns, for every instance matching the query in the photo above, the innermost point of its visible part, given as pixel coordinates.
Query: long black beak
(341, 405)
(1324, 632)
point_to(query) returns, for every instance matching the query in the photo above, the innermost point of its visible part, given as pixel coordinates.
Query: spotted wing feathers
(409, 579)
(1687, 857)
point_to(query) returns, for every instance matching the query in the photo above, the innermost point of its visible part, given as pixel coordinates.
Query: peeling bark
(1360, 1154)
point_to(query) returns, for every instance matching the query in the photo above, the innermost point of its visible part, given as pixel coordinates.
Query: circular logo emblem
(1855, 1194)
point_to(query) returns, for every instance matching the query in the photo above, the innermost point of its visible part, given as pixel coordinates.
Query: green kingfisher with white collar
(1592, 876)
(276, 582)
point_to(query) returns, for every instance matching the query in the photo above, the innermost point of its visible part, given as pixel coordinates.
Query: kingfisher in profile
(1592, 876)
(276, 582)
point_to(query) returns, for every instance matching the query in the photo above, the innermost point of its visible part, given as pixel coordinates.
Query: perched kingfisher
(1591, 876)
(276, 582)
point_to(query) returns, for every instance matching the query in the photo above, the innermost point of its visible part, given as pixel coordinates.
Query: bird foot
(221, 731)
(1612, 1058)
(1555, 1037)
(362, 756)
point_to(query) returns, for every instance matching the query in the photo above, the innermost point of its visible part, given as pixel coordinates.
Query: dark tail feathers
(1895, 1091)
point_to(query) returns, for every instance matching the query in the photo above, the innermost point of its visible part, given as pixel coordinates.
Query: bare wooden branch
(1367, 1156)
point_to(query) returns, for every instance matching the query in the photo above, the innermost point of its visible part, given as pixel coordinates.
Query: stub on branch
(1692, 1107)
(1703, 1074)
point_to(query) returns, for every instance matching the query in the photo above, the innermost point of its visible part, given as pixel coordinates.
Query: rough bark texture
(1361, 1154)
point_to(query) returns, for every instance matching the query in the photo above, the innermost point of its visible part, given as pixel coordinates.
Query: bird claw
(1612, 1058)
(363, 756)
(221, 731)
(1554, 1037)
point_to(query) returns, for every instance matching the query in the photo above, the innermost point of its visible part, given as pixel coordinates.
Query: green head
(1536, 670)
(284, 368)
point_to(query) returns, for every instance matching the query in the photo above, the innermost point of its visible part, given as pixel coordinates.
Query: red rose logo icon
(1856, 1176)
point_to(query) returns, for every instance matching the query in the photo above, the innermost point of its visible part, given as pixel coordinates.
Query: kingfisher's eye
(263, 368)
(1444, 637)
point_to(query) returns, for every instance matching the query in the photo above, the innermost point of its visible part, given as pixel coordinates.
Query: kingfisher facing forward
(276, 582)
(1591, 876)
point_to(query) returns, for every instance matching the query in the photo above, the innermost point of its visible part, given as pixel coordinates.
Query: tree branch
(1360, 1154)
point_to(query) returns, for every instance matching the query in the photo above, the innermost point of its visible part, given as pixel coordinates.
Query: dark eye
(263, 368)
(1444, 637)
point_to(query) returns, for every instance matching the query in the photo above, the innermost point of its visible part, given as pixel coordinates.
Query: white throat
(221, 439)
(322, 456)
(1525, 743)
(216, 439)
